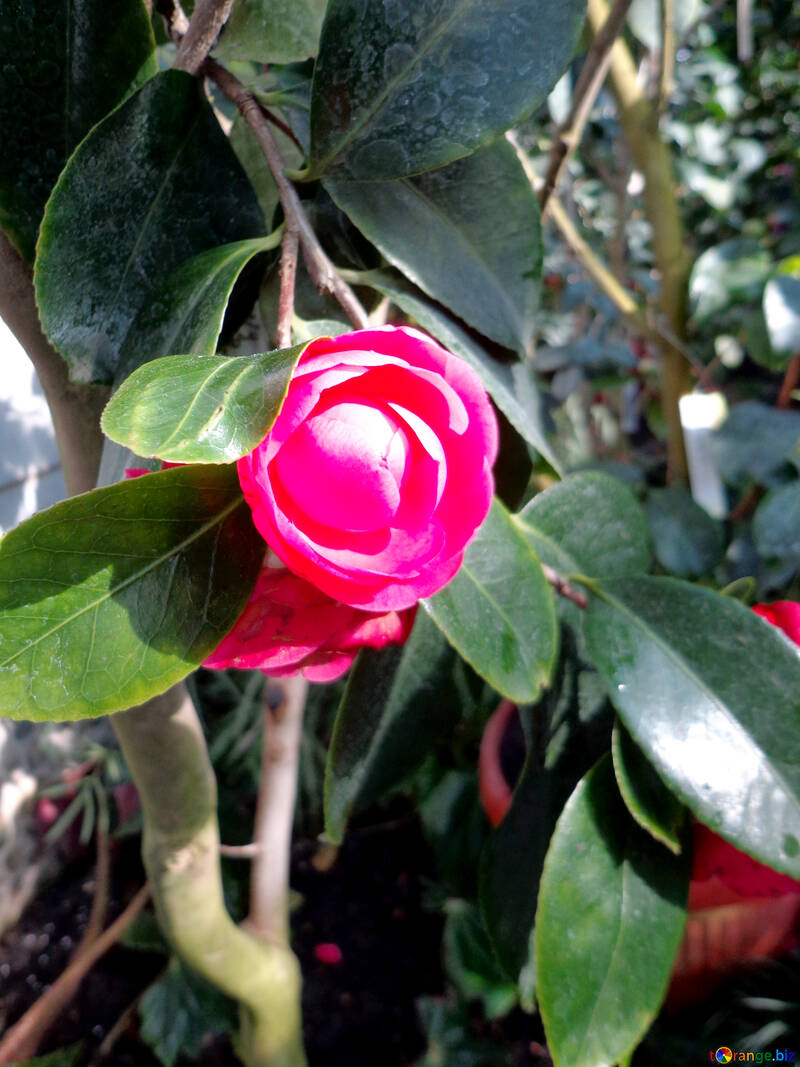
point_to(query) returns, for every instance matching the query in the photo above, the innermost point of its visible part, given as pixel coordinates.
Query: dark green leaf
(272, 31)
(729, 272)
(711, 694)
(512, 388)
(408, 86)
(589, 523)
(200, 409)
(181, 1011)
(64, 64)
(449, 1039)
(782, 308)
(187, 312)
(64, 1057)
(468, 234)
(755, 440)
(152, 186)
(687, 541)
(776, 525)
(612, 906)
(498, 610)
(395, 704)
(470, 963)
(646, 797)
(109, 598)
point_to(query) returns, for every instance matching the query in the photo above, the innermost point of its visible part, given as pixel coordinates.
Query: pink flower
(289, 627)
(377, 472)
(785, 614)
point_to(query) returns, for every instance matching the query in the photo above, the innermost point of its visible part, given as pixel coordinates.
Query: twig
(21, 1040)
(790, 382)
(283, 333)
(207, 20)
(269, 882)
(590, 81)
(744, 30)
(323, 273)
(174, 17)
(75, 409)
(666, 62)
(102, 878)
(562, 586)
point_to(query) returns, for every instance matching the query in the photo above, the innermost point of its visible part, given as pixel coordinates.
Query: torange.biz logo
(730, 1055)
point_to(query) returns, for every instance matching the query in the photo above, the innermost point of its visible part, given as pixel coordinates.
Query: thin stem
(666, 65)
(790, 382)
(593, 74)
(164, 747)
(208, 18)
(23, 1038)
(639, 120)
(563, 588)
(280, 754)
(75, 409)
(323, 273)
(289, 248)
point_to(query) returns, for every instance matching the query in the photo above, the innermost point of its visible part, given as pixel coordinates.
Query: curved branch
(207, 20)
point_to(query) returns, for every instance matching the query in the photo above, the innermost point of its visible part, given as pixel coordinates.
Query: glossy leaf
(776, 525)
(272, 31)
(498, 610)
(395, 704)
(408, 86)
(687, 541)
(109, 598)
(468, 234)
(64, 64)
(732, 271)
(711, 694)
(590, 524)
(646, 797)
(152, 186)
(512, 388)
(470, 963)
(200, 409)
(611, 913)
(782, 308)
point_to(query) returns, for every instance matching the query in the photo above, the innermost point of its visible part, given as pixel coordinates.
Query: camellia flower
(377, 472)
(288, 627)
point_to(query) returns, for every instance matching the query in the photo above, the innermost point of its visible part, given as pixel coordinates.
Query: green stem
(164, 746)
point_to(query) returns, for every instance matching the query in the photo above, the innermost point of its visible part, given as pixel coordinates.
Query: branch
(667, 58)
(790, 382)
(323, 273)
(164, 747)
(288, 269)
(593, 74)
(207, 20)
(562, 586)
(280, 755)
(24, 1036)
(74, 409)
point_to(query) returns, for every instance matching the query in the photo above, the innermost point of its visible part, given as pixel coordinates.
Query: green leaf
(513, 388)
(272, 31)
(153, 185)
(511, 867)
(396, 703)
(181, 1011)
(64, 1057)
(711, 694)
(646, 797)
(187, 312)
(776, 524)
(731, 272)
(755, 440)
(404, 87)
(109, 598)
(200, 409)
(498, 610)
(470, 963)
(687, 541)
(64, 64)
(611, 913)
(468, 234)
(590, 524)
(782, 308)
